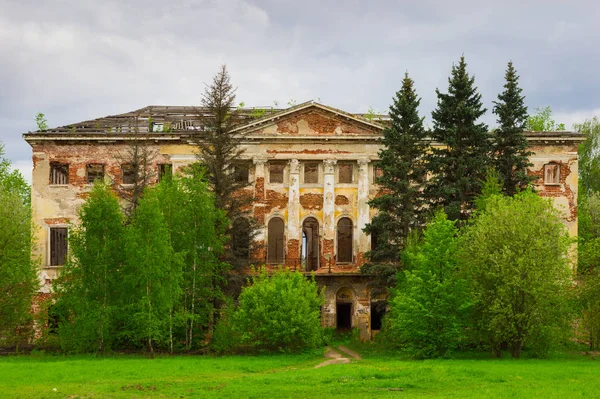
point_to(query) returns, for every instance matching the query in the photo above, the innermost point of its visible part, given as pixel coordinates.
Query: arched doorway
(343, 308)
(275, 250)
(310, 244)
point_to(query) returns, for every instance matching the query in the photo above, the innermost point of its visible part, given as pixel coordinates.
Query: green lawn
(564, 376)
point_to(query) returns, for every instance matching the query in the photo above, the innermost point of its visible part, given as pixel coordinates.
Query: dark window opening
(310, 244)
(275, 248)
(164, 170)
(377, 171)
(311, 173)
(58, 246)
(59, 173)
(128, 174)
(344, 240)
(552, 173)
(94, 171)
(241, 172)
(240, 238)
(343, 316)
(276, 172)
(378, 310)
(374, 240)
(345, 173)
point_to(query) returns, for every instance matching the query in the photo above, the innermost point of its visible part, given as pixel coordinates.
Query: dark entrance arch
(343, 309)
(310, 244)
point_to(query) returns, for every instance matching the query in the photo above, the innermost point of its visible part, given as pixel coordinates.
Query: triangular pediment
(311, 119)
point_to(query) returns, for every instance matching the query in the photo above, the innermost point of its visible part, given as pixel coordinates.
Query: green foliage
(430, 305)
(588, 288)
(491, 186)
(542, 121)
(458, 166)
(12, 180)
(41, 122)
(588, 258)
(400, 205)
(18, 272)
(370, 114)
(511, 156)
(589, 159)
(151, 275)
(515, 256)
(88, 289)
(258, 113)
(279, 313)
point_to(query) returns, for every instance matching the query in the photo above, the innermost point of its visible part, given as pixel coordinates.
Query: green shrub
(280, 312)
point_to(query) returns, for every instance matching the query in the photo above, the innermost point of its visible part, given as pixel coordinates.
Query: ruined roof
(189, 118)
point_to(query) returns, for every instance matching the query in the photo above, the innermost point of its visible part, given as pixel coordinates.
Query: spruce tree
(511, 157)
(460, 154)
(400, 205)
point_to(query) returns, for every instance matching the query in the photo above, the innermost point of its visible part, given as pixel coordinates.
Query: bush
(280, 312)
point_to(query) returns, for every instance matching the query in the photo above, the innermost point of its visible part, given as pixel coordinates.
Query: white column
(259, 194)
(329, 208)
(364, 241)
(293, 223)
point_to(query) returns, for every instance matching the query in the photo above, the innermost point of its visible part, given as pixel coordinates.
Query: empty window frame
(552, 173)
(58, 245)
(240, 238)
(59, 173)
(345, 173)
(276, 172)
(241, 172)
(275, 247)
(311, 173)
(344, 240)
(93, 172)
(128, 172)
(164, 170)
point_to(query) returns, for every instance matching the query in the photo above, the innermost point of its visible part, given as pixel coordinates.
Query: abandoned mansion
(311, 169)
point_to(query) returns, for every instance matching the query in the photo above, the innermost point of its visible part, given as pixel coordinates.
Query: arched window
(275, 252)
(310, 244)
(344, 240)
(240, 238)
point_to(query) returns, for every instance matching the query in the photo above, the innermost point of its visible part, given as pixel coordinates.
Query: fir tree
(458, 165)
(511, 157)
(400, 205)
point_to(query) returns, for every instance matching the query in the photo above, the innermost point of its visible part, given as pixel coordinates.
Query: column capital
(259, 161)
(363, 163)
(294, 166)
(329, 165)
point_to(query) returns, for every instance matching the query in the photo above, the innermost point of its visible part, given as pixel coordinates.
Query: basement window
(276, 172)
(552, 174)
(128, 172)
(164, 170)
(58, 246)
(94, 171)
(241, 172)
(345, 173)
(311, 173)
(59, 173)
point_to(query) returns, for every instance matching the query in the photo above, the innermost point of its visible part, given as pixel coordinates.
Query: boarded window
(276, 172)
(275, 253)
(241, 172)
(240, 238)
(58, 246)
(344, 240)
(164, 170)
(128, 174)
(345, 173)
(94, 171)
(552, 173)
(311, 173)
(59, 173)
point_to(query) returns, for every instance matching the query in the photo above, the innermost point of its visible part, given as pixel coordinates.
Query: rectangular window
(311, 173)
(241, 172)
(345, 173)
(58, 246)
(276, 172)
(128, 174)
(552, 173)
(59, 173)
(164, 169)
(94, 171)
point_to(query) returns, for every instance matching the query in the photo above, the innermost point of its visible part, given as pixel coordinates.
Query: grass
(293, 376)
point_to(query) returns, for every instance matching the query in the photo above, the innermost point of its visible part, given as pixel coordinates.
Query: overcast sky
(77, 59)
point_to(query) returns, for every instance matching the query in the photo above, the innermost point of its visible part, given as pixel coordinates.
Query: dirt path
(337, 358)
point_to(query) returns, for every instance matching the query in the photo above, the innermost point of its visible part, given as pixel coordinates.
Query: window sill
(54, 266)
(551, 184)
(58, 185)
